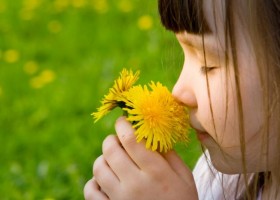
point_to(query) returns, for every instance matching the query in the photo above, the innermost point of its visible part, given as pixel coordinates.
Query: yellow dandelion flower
(60, 5)
(47, 76)
(31, 67)
(78, 3)
(145, 22)
(3, 7)
(154, 113)
(100, 6)
(36, 82)
(157, 116)
(115, 96)
(125, 6)
(28, 8)
(31, 4)
(11, 56)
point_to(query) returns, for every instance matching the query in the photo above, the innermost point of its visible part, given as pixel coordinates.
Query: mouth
(201, 135)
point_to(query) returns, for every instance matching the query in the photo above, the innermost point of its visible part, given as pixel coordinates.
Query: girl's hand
(127, 170)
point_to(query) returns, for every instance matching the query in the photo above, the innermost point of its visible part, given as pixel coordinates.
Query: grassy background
(57, 60)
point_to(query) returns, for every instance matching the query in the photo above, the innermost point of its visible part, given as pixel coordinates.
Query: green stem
(125, 113)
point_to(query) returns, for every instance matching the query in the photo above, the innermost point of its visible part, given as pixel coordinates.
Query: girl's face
(213, 106)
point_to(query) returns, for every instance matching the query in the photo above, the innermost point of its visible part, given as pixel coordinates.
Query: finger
(145, 159)
(178, 166)
(92, 191)
(104, 176)
(117, 158)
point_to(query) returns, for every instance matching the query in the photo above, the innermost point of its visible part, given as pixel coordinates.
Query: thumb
(179, 166)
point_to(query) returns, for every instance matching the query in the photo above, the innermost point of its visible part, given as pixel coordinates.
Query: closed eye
(206, 69)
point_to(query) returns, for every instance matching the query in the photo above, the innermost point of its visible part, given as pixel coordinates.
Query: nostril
(189, 99)
(185, 96)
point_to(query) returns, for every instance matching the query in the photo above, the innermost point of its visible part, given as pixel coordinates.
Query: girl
(230, 83)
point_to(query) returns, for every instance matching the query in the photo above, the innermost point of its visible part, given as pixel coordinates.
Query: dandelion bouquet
(154, 113)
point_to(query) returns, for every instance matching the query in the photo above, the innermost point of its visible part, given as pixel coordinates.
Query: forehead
(214, 15)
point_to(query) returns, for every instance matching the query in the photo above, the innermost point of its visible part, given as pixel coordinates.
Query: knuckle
(155, 173)
(128, 139)
(125, 132)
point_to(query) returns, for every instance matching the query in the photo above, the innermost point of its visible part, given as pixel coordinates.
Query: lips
(201, 135)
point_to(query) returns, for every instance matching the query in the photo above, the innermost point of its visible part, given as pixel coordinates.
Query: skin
(223, 139)
(221, 133)
(127, 170)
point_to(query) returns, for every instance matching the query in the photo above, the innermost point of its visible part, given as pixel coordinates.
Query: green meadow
(57, 60)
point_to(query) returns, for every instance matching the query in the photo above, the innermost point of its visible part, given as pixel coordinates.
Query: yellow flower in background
(78, 3)
(100, 6)
(28, 8)
(31, 4)
(11, 56)
(45, 77)
(155, 114)
(115, 95)
(36, 82)
(125, 6)
(60, 5)
(145, 22)
(157, 117)
(31, 67)
(3, 7)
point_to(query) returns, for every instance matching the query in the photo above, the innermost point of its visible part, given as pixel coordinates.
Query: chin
(225, 168)
(223, 162)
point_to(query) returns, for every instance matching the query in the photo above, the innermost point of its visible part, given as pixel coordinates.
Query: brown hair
(263, 21)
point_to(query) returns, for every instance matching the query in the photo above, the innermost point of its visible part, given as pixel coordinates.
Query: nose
(183, 90)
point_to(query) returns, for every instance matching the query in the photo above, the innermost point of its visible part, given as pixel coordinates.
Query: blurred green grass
(57, 60)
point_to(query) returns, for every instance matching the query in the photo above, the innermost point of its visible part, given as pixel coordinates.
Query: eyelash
(206, 69)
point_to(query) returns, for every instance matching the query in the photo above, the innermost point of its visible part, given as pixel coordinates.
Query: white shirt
(213, 185)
